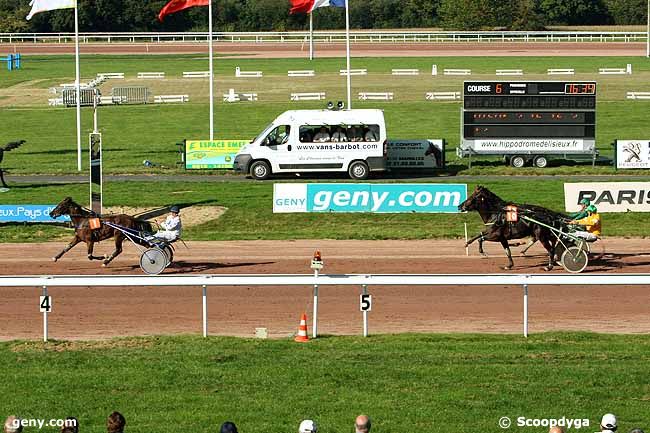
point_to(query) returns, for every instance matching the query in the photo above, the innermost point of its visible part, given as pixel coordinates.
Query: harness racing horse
(492, 210)
(83, 233)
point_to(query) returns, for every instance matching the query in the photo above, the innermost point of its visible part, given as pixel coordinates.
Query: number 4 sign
(365, 302)
(45, 304)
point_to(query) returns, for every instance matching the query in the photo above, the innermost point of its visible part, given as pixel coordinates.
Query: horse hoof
(507, 268)
(54, 259)
(548, 268)
(104, 265)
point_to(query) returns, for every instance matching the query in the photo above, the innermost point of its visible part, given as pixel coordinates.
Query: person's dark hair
(115, 423)
(71, 425)
(228, 427)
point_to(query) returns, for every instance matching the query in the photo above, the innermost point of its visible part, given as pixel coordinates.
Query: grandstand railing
(331, 36)
(362, 281)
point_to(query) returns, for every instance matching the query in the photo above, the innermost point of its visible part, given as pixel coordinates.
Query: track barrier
(164, 99)
(457, 72)
(247, 74)
(151, 75)
(637, 95)
(344, 72)
(560, 71)
(616, 71)
(376, 96)
(196, 74)
(510, 72)
(442, 96)
(525, 281)
(306, 73)
(316, 96)
(13, 61)
(405, 72)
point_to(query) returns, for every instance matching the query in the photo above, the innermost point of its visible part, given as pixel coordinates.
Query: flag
(306, 6)
(49, 5)
(179, 5)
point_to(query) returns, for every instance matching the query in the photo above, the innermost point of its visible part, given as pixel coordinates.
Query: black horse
(84, 233)
(492, 210)
(8, 147)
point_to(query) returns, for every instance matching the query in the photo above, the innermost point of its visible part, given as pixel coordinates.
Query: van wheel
(517, 161)
(540, 161)
(260, 170)
(359, 170)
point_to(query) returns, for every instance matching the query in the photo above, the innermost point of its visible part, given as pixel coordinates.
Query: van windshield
(264, 132)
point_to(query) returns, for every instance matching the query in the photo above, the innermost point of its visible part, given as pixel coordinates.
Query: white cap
(608, 422)
(307, 426)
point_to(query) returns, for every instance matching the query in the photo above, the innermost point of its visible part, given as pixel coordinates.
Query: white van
(317, 140)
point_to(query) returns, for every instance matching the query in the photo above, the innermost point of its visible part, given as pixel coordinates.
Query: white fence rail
(316, 280)
(330, 36)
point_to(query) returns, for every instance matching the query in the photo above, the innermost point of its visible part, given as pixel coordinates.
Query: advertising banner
(211, 154)
(29, 213)
(609, 196)
(366, 197)
(413, 154)
(530, 144)
(632, 154)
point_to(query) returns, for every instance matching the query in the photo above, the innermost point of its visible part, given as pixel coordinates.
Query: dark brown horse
(83, 233)
(492, 210)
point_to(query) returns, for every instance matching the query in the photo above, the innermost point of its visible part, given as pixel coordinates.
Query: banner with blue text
(368, 197)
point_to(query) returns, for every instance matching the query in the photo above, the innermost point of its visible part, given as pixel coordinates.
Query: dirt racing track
(101, 312)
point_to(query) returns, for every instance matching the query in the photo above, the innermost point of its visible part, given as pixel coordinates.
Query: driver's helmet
(592, 209)
(585, 201)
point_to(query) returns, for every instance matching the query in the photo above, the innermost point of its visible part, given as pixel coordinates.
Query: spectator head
(13, 425)
(636, 430)
(71, 425)
(115, 423)
(228, 427)
(608, 423)
(307, 426)
(175, 209)
(556, 429)
(362, 424)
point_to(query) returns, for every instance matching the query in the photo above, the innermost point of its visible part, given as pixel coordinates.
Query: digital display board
(529, 110)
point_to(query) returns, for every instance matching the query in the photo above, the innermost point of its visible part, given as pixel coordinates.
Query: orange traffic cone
(302, 336)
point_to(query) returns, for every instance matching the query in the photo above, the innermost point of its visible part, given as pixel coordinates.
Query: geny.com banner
(366, 197)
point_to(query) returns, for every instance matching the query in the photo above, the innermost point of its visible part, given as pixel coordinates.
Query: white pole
(647, 50)
(211, 71)
(466, 246)
(45, 317)
(314, 318)
(205, 311)
(526, 310)
(77, 84)
(347, 50)
(365, 313)
(311, 35)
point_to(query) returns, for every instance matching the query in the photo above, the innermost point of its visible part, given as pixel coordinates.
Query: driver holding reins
(171, 227)
(591, 224)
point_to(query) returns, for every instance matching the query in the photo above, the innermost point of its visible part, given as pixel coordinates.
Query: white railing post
(45, 317)
(205, 311)
(314, 318)
(365, 313)
(526, 310)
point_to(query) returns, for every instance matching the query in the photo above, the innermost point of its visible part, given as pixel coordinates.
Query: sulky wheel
(169, 254)
(574, 260)
(153, 261)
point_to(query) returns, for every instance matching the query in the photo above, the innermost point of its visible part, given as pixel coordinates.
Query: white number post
(365, 305)
(45, 307)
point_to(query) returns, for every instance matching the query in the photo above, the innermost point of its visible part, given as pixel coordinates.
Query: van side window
(339, 134)
(355, 133)
(278, 136)
(371, 133)
(306, 134)
(323, 135)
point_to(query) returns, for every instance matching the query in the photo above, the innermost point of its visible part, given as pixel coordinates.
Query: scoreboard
(532, 117)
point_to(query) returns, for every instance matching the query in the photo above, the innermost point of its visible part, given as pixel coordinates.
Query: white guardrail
(316, 280)
(330, 36)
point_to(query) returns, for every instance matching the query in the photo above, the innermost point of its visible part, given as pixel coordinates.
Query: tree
(573, 12)
(527, 17)
(625, 12)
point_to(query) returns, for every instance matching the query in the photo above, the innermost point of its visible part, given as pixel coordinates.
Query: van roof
(331, 117)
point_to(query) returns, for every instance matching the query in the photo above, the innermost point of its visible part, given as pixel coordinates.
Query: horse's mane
(537, 212)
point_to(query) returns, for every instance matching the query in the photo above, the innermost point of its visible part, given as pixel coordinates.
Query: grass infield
(134, 133)
(250, 214)
(430, 383)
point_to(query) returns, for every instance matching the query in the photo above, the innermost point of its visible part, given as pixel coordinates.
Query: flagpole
(347, 50)
(77, 84)
(211, 72)
(311, 35)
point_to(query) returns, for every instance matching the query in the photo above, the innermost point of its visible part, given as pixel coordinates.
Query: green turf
(249, 212)
(429, 383)
(134, 133)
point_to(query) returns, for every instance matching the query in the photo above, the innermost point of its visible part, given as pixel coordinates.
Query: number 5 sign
(365, 302)
(45, 304)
